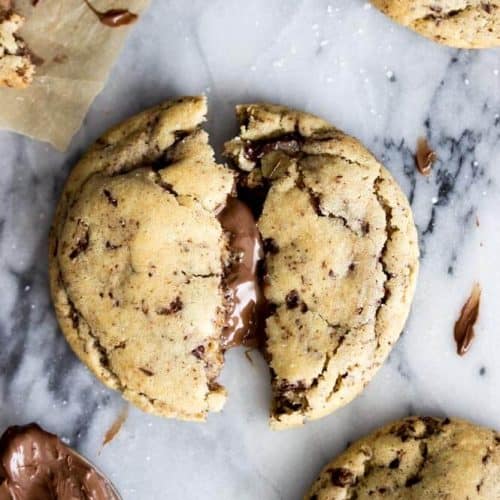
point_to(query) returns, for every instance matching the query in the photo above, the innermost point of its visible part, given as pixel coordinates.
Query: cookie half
(468, 24)
(16, 65)
(138, 260)
(341, 257)
(413, 459)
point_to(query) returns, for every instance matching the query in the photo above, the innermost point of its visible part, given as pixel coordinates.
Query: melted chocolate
(464, 327)
(36, 465)
(289, 143)
(113, 17)
(425, 157)
(244, 296)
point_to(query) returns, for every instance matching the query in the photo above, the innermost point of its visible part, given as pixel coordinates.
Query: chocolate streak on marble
(113, 17)
(464, 327)
(35, 464)
(244, 296)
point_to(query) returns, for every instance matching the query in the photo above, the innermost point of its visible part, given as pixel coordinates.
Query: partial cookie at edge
(469, 24)
(416, 458)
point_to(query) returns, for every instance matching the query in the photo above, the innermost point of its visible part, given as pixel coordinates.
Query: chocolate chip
(198, 352)
(270, 246)
(412, 480)
(82, 242)
(292, 299)
(341, 477)
(288, 143)
(486, 7)
(174, 306)
(303, 308)
(394, 464)
(109, 196)
(147, 372)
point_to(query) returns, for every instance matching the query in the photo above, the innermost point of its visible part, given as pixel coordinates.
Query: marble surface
(340, 59)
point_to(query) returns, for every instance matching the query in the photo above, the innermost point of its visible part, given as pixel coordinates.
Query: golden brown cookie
(341, 257)
(414, 459)
(137, 260)
(468, 24)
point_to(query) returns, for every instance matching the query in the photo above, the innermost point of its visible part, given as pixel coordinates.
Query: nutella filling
(113, 17)
(288, 143)
(243, 294)
(36, 465)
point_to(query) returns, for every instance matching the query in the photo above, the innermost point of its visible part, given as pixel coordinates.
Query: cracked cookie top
(413, 459)
(341, 257)
(466, 24)
(137, 260)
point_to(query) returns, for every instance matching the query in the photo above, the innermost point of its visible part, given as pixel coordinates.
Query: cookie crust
(468, 24)
(137, 257)
(341, 258)
(415, 458)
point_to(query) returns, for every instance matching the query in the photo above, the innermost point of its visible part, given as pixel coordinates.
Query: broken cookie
(416, 458)
(16, 64)
(157, 266)
(469, 24)
(341, 257)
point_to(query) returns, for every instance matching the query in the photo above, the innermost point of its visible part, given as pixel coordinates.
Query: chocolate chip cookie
(138, 261)
(341, 257)
(469, 24)
(16, 65)
(416, 458)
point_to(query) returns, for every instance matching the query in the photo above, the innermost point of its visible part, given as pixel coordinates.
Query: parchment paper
(78, 52)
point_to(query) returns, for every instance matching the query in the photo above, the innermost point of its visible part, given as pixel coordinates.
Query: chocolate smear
(464, 327)
(243, 294)
(113, 17)
(288, 143)
(425, 157)
(35, 464)
(116, 427)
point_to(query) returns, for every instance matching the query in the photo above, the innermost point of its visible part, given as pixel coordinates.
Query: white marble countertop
(337, 58)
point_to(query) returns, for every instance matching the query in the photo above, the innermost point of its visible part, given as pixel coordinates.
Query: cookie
(341, 257)
(416, 458)
(139, 260)
(35, 464)
(16, 65)
(468, 24)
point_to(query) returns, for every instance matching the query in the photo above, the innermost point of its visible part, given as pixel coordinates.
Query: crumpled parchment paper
(77, 52)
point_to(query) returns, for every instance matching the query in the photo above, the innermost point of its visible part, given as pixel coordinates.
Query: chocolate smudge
(464, 326)
(115, 428)
(424, 157)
